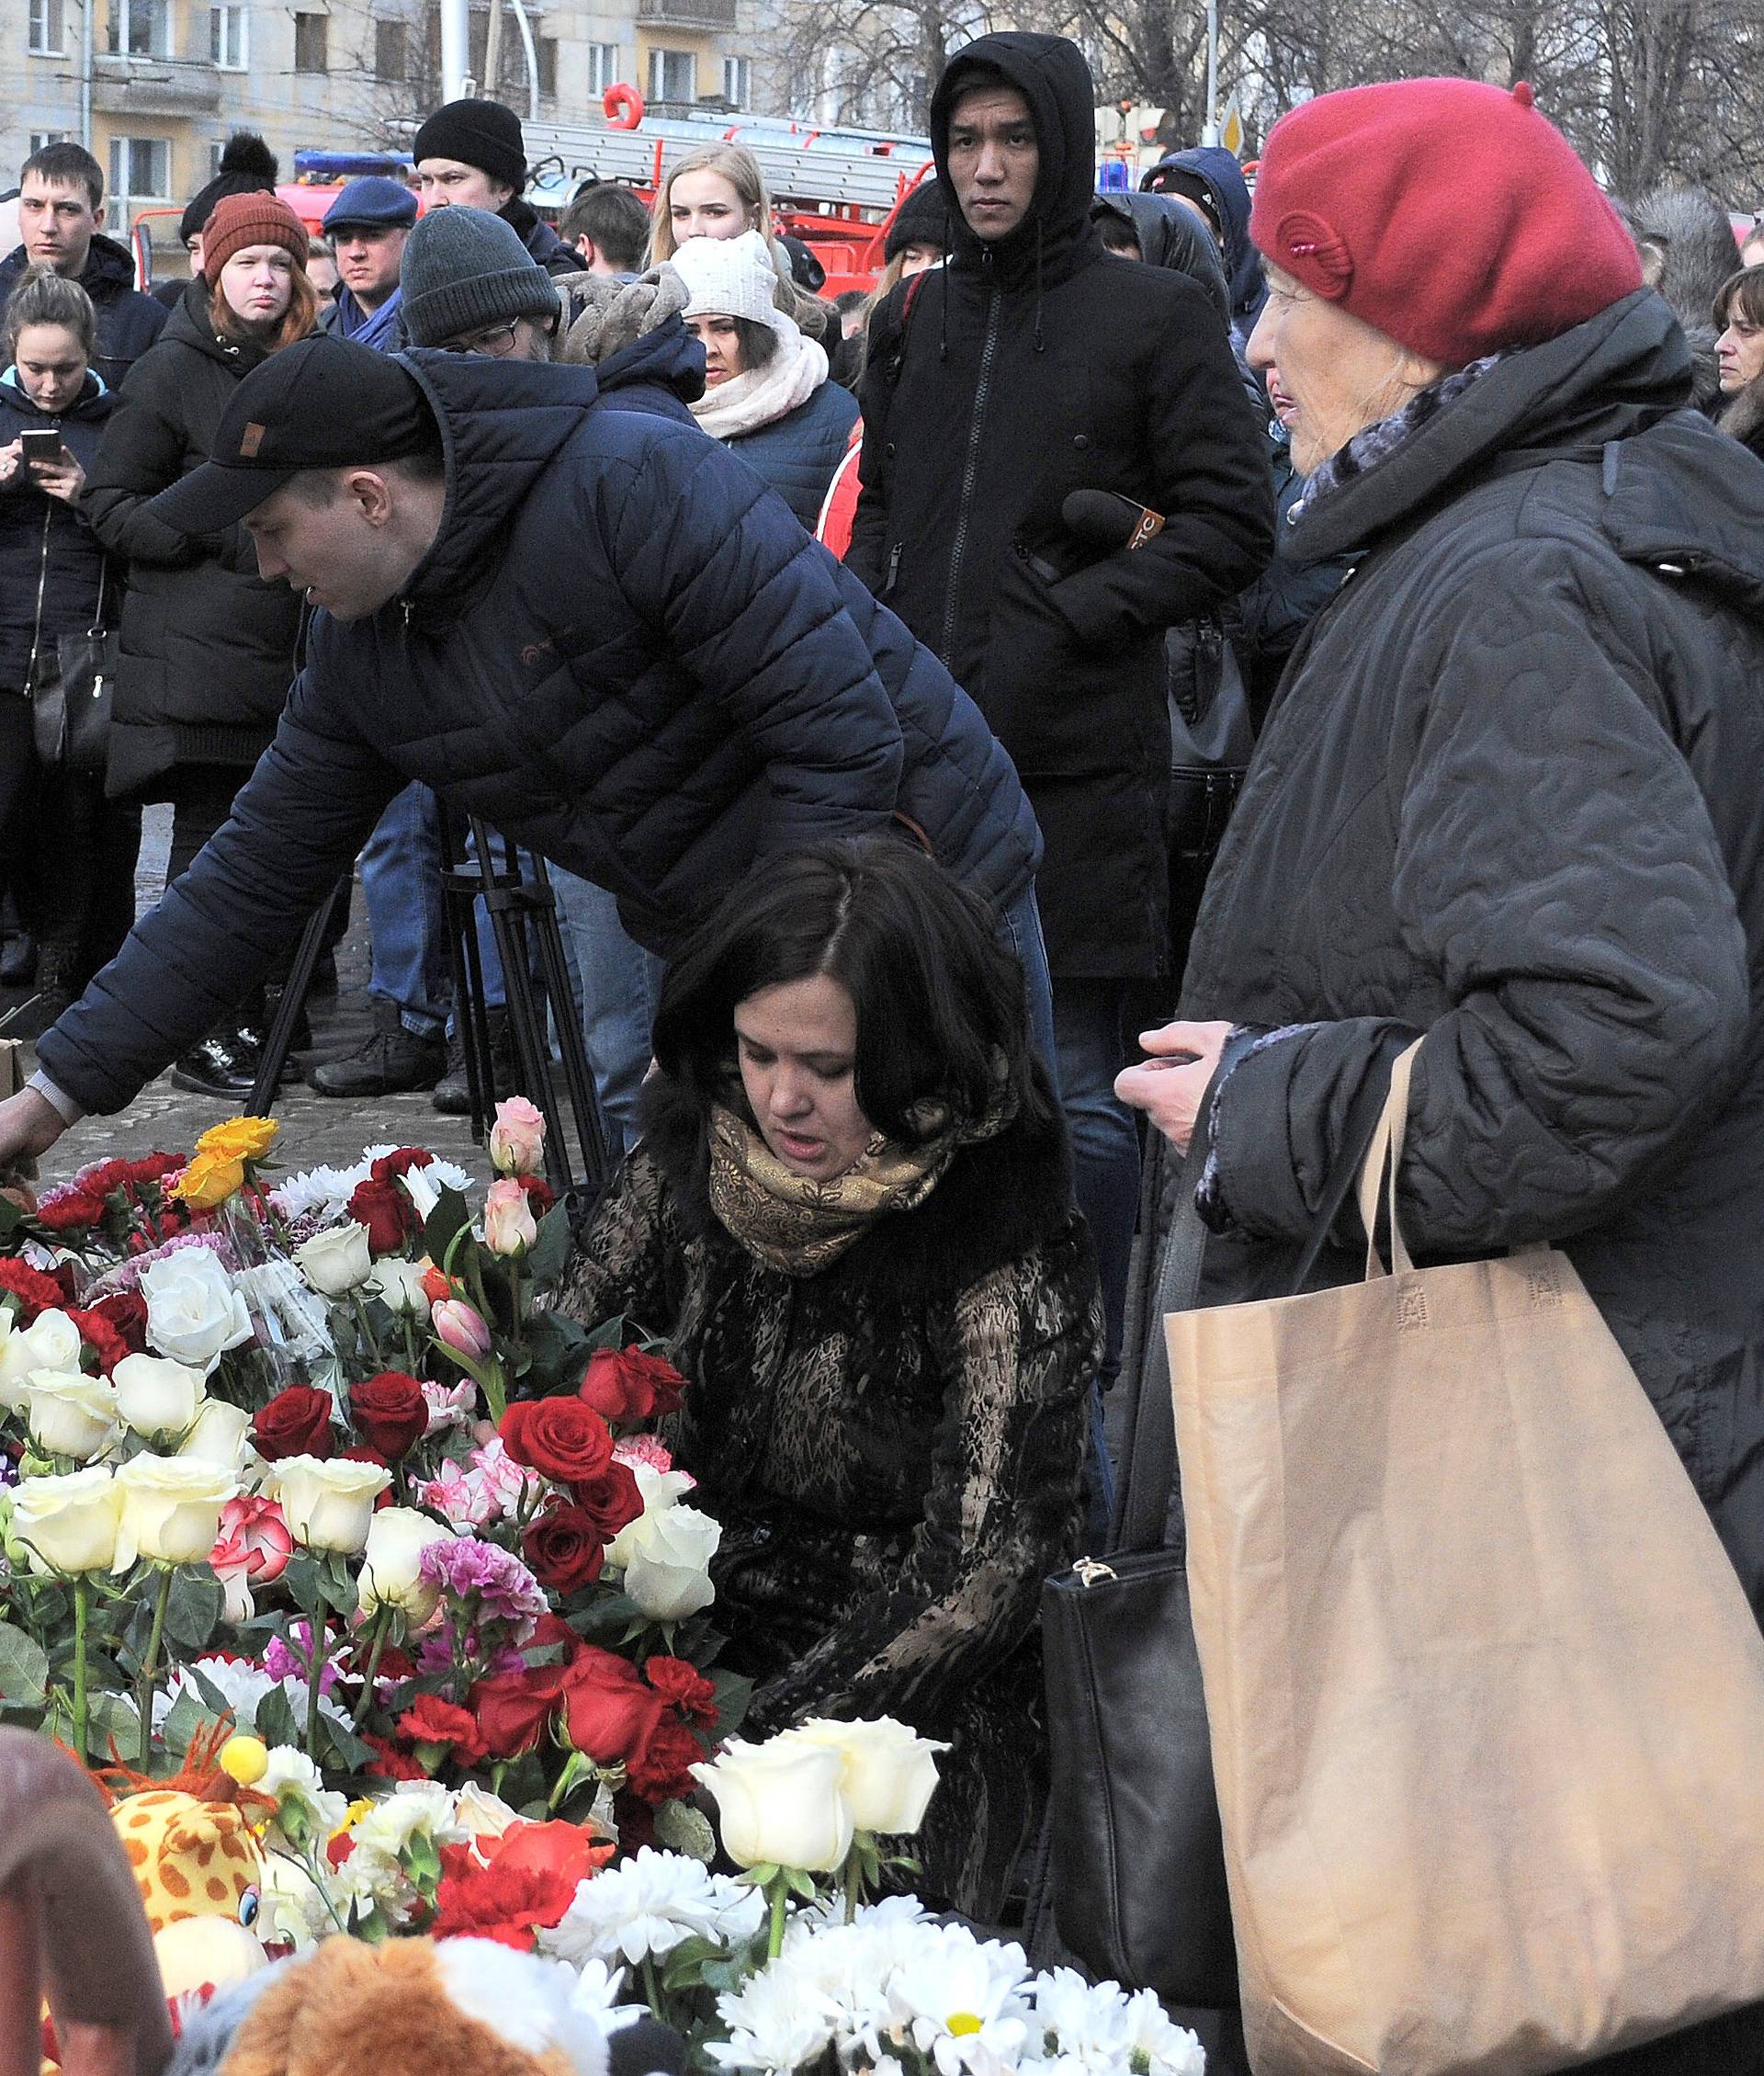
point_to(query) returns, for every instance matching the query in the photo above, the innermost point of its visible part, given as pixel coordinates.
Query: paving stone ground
(315, 1128)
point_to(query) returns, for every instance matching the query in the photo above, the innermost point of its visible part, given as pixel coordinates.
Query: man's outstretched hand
(29, 1125)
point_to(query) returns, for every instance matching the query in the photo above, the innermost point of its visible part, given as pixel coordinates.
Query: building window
(391, 51)
(44, 39)
(141, 169)
(227, 36)
(546, 49)
(738, 81)
(309, 42)
(139, 28)
(673, 75)
(41, 140)
(603, 67)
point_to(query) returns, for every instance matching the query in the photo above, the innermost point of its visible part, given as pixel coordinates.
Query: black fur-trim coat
(892, 1446)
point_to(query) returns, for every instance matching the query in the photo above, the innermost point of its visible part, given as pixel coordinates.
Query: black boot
(225, 1063)
(453, 1095)
(391, 1061)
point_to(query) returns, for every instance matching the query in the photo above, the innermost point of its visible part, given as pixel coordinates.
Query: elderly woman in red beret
(1508, 793)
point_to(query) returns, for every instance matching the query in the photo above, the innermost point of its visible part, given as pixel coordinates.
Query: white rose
(659, 1490)
(194, 1314)
(171, 1510)
(780, 1802)
(890, 1771)
(51, 1341)
(667, 1572)
(336, 1261)
(221, 1436)
(71, 1414)
(398, 1284)
(480, 1814)
(327, 1505)
(155, 1396)
(397, 1536)
(69, 1523)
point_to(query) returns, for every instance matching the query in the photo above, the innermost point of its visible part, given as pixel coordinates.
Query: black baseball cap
(323, 404)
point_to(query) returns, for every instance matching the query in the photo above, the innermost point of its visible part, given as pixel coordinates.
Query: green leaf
(302, 1578)
(613, 1332)
(801, 1884)
(444, 1223)
(275, 1722)
(187, 1717)
(350, 1751)
(734, 1691)
(113, 1720)
(194, 1608)
(11, 1218)
(547, 1257)
(760, 1875)
(213, 1700)
(685, 1829)
(24, 1669)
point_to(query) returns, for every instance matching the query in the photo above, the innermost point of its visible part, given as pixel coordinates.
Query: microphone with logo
(1108, 519)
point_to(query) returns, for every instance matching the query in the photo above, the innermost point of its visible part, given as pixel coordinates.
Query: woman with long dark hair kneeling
(851, 1215)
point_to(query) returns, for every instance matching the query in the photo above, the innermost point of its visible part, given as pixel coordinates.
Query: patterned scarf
(1374, 443)
(796, 1224)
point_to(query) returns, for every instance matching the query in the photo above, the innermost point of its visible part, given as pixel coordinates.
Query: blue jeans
(1019, 926)
(400, 883)
(1088, 1017)
(618, 984)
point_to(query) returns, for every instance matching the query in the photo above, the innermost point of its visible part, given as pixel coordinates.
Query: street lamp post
(1210, 130)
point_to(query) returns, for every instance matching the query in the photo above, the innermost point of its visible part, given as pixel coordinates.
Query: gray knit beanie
(464, 270)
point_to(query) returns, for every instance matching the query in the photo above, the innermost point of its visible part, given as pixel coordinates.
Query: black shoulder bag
(71, 705)
(1137, 1860)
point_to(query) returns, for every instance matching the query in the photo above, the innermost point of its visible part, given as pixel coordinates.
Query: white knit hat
(730, 278)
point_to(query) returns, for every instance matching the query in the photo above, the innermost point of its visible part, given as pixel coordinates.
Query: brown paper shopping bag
(1486, 1699)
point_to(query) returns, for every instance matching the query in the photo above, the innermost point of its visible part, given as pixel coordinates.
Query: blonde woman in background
(718, 192)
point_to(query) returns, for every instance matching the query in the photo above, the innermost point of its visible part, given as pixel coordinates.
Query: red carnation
(390, 1763)
(561, 1438)
(685, 1686)
(564, 1549)
(389, 1215)
(610, 1714)
(296, 1421)
(512, 1708)
(101, 1337)
(660, 1772)
(626, 1386)
(390, 1414)
(431, 1720)
(152, 1168)
(74, 1211)
(39, 1292)
(511, 1897)
(539, 1194)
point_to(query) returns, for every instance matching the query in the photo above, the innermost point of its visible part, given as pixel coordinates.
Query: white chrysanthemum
(1084, 2025)
(298, 1786)
(242, 1687)
(1156, 2045)
(960, 1999)
(322, 1190)
(413, 1808)
(646, 1906)
(597, 1993)
(776, 2022)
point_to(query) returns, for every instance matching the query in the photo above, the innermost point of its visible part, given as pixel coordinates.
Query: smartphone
(41, 445)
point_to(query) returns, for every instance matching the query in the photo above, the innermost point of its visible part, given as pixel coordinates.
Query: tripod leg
(585, 1101)
(509, 902)
(461, 883)
(287, 1011)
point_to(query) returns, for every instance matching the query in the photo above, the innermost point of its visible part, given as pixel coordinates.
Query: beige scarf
(796, 1224)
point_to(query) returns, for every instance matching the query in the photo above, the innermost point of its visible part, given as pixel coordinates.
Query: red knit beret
(1447, 214)
(249, 220)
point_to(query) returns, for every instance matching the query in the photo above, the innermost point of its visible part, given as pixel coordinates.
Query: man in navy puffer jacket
(587, 624)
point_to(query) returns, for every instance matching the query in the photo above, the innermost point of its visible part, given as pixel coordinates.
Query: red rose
(436, 1287)
(561, 1438)
(101, 1337)
(626, 1385)
(390, 1414)
(296, 1421)
(685, 1686)
(564, 1549)
(127, 1311)
(431, 1720)
(659, 1772)
(611, 1502)
(389, 1215)
(550, 1630)
(37, 1292)
(73, 1212)
(610, 1714)
(399, 1161)
(540, 1195)
(511, 1707)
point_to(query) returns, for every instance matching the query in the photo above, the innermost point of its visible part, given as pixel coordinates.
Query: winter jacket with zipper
(207, 646)
(1508, 797)
(796, 455)
(128, 322)
(543, 244)
(1029, 367)
(623, 651)
(51, 561)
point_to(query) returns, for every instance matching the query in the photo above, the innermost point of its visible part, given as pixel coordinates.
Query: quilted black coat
(207, 646)
(892, 1446)
(1509, 796)
(1026, 370)
(621, 650)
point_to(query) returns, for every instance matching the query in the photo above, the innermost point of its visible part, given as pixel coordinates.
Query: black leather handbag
(1137, 1863)
(71, 701)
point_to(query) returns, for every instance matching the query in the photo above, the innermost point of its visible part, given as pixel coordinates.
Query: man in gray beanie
(468, 283)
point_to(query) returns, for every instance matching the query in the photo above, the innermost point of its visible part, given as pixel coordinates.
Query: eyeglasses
(498, 341)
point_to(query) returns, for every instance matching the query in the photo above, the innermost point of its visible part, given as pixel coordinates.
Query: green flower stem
(82, 1609)
(382, 1624)
(651, 1989)
(779, 1889)
(367, 1331)
(149, 1667)
(315, 1681)
(851, 1879)
(408, 1324)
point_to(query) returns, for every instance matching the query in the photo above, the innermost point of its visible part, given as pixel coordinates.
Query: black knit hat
(247, 167)
(481, 133)
(464, 270)
(921, 220)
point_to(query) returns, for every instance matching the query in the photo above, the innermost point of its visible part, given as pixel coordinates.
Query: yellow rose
(208, 1182)
(239, 1138)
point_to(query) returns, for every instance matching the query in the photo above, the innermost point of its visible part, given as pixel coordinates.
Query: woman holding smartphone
(53, 406)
